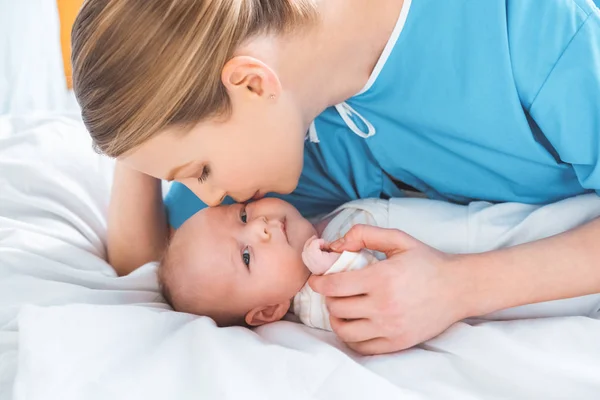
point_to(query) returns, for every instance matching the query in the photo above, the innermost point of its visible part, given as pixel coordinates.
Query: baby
(249, 264)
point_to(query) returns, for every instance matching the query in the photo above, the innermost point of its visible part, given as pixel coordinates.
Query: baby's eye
(246, 257)
(243, 215)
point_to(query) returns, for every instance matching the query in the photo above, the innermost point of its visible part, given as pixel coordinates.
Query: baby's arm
(137, 225)
(315, 258)
(320, 262)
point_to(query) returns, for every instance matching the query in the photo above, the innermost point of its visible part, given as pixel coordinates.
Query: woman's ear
(248, 76)
(267, 314)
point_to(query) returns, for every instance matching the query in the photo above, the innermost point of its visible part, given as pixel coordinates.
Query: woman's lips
(258, 195)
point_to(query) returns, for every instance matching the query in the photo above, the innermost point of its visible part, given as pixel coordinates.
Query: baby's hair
(171, 280)
(141, 66)
(163, 278)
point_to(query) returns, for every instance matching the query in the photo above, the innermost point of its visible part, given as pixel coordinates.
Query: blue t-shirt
(495, 100)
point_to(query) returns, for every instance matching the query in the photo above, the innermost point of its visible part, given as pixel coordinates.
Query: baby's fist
(315, 259)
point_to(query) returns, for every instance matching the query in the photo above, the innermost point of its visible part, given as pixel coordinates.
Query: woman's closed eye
(246, 257)
(204, 174)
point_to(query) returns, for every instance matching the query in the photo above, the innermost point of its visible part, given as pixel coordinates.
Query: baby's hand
(315, 259)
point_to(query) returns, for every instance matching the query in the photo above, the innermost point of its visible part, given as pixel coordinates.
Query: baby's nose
(274, 224)
(260, 227)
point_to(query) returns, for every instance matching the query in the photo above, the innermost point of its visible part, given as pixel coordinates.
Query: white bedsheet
(127, 352)
(121, 342)
(53, 201)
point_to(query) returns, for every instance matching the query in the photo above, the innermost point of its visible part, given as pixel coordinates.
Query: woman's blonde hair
(140, 66)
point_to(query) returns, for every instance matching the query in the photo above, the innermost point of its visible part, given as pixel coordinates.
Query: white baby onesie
(457, 229)
(310, 306)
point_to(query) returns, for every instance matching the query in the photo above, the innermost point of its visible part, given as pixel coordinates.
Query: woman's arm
(137, 225)
(562, 266)
(418, 292)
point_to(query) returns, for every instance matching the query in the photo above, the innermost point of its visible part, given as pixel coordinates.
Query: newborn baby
(249, 264)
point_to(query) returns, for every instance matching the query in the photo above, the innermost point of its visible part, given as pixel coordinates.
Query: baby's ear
(267, 314)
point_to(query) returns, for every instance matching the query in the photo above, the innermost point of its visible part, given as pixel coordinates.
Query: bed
(71, 329)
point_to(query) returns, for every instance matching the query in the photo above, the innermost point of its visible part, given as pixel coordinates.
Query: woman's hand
(414, 295)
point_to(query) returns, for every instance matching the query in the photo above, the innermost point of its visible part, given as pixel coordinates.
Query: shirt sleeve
(181, 203)
(566, 108)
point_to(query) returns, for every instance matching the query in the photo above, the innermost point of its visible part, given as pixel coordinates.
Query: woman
(459, 100)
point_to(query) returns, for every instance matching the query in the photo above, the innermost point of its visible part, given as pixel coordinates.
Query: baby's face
(251, 253)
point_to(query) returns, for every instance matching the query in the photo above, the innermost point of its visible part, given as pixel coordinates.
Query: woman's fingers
(388, 241)
(352, 331)
(355, 307)
(343, 284)
(373, 346)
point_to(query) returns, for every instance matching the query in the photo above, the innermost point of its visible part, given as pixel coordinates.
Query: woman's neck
(330, 61)
(335, 58)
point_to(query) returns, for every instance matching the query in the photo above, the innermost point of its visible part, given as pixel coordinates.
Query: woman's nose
(211, 196)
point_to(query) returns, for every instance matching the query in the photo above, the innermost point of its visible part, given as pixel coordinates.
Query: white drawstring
(312, 133)
(346, 112)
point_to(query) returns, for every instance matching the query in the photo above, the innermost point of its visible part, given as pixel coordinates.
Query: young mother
(494, 100)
